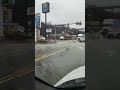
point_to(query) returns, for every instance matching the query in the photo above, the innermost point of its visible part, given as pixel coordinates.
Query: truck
(81, 37)
(111, 28)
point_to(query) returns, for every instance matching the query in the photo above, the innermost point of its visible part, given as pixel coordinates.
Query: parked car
(114, 33)
(62, 37)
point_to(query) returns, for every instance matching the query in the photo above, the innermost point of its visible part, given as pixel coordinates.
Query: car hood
(75, 74)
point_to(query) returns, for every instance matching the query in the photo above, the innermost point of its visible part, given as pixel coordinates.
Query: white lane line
(46, 56)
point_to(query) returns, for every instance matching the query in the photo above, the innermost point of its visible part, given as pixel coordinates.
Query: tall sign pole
(45, 9)
(45, 24)
(55, 32)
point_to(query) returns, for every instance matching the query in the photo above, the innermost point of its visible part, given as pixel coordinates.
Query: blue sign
(45, 7)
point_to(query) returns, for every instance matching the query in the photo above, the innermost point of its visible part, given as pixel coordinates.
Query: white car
(20, 28)
(81, 38)
(62, 37)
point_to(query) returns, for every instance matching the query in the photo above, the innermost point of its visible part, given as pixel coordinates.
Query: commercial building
(18, 13)
(1, 21)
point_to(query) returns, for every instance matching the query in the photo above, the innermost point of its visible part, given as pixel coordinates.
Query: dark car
(104, 31)
(114, 33)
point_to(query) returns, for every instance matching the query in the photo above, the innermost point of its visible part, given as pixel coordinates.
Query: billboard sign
(49, 30)
(45, 7)
(37, 21)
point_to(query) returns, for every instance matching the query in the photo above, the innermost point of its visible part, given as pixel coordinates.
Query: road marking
(40, 58)
(46, 56)
(5, 77)
(15, 75)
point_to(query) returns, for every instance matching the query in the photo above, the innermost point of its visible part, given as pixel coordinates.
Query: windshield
(107, 25)
(54, 61)
(59, 57)
(81, 35)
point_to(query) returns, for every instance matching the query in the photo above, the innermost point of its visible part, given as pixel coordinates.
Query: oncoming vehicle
(111, 28)
(81, 38)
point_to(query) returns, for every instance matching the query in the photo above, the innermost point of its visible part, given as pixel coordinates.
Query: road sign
(49, 30)
(45, 7)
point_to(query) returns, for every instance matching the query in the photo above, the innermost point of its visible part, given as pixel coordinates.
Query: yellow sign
(44, 5)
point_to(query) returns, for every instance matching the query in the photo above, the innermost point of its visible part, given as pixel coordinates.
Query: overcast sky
(63, 11)
(104, 2)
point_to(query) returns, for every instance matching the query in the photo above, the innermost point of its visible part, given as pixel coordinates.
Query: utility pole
(114, 17)
(72, 36)
(55, 33)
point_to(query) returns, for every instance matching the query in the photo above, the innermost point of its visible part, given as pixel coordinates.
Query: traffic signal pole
(55, 33)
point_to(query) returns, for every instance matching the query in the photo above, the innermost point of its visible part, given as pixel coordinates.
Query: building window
(5, 19)
(5, 12)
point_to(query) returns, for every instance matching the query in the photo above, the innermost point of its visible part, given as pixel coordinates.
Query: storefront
(9, 29)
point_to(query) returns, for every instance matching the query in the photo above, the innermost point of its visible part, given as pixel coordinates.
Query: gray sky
(103, 2)
(63, 11)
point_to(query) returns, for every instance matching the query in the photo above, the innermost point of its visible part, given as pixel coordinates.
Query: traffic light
(78, 23)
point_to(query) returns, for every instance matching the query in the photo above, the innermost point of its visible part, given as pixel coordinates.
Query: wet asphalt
(53, 68)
